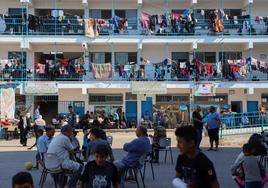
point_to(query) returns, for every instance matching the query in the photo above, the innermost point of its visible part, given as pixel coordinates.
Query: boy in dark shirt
(100, 173)
(193, 167)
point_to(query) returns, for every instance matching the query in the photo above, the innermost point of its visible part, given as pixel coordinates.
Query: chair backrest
(110, 140)
(165, 142)
(143, 158)
(51, 161)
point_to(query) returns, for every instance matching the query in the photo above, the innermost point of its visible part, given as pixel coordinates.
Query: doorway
(237, 106)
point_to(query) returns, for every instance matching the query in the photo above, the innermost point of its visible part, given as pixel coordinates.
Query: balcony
(75, 26)
(165, 71)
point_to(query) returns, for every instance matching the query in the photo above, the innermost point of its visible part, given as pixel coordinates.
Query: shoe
(216, 149)
(210, 149)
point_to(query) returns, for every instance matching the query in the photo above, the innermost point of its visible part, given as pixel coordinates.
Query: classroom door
(252, 106)
(147, 106)
(131, 110)
(79, 107)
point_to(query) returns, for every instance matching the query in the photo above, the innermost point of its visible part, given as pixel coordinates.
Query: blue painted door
(147, 106)
(131, 110)
(79, 107)
(252, 106)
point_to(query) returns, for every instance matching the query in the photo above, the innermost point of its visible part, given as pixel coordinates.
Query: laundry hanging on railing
(100, 71)
(131, 71)
(168, 23)
(216, 22)
(91, 30)
(7, 102)
(60, 67)
(12, 68)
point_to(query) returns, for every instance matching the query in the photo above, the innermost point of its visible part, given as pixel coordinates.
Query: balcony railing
(140, 73)
(51, 26)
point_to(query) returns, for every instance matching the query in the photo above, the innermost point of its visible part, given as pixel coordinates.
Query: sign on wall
(41, 88)
(204, 89)
(149, 88)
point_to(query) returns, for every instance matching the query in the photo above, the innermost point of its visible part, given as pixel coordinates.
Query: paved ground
(13, 157)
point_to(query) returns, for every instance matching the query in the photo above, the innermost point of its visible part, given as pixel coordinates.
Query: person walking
(71, 117)
(213, 127)
(198, 125)
(24, 126)
(193, 168)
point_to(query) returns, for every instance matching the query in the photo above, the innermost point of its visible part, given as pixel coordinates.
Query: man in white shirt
(61, 146)
(40, 122)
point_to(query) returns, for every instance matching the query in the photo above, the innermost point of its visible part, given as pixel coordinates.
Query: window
(130, 14)
(125, 58)
(101, 57)
(180, 56)
(206, 57)
(130, 96)
(106, 99)
(230, 56)
(172, 99)
(220, 99)
(178, 11)
(120, 13)
(16, 11)
(18, 55)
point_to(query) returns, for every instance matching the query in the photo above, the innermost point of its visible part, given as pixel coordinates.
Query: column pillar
(86, 57)
(139, 52)
(86, 9)
(139, 14)
(139, 107)
(113, 58)
(167, 56)
(113, 12)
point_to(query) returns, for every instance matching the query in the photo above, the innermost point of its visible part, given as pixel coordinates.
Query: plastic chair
(138, 169)
(148, 159)
(165, 145)
(51, 166)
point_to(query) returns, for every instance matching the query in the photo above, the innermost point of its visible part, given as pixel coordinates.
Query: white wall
(70, 95)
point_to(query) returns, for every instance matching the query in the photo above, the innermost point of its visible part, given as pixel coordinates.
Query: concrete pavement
(13, 158)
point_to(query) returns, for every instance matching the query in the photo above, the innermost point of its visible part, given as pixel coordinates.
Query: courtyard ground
(13, 157)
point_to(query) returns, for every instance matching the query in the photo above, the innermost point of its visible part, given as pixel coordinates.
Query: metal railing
(56, 26)
(138, 73)
(243, 123)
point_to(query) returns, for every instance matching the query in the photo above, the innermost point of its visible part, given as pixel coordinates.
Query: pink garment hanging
(176, 16)
(41, 68)
(145, 20)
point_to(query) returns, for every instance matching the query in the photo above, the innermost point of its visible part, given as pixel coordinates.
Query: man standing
(136, 149)
(198, 125)
(71, 117)
(213, 126)
(24, 127)
(62, 148)
(193, 168)
(37, 112)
